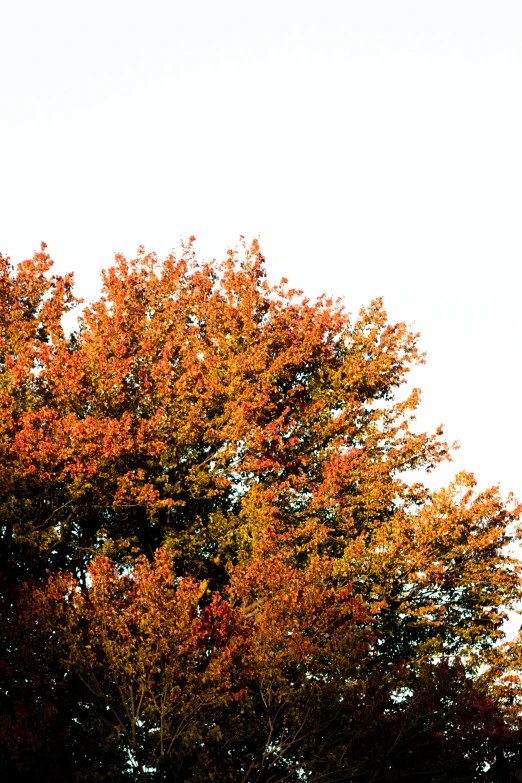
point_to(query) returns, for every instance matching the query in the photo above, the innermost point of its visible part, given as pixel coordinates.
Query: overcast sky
(375, 146)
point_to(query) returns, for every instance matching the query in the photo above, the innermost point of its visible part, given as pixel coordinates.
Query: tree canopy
(219, 558)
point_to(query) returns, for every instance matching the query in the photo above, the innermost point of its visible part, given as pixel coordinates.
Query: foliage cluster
(219, 560)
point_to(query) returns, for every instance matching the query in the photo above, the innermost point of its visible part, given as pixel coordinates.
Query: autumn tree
(209, 442)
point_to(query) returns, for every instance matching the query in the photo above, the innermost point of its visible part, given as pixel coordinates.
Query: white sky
(374, 145)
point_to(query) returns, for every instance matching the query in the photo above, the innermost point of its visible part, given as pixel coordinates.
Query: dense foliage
(219, 560)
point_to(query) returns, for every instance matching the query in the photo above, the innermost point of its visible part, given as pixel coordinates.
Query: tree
(211, 443)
